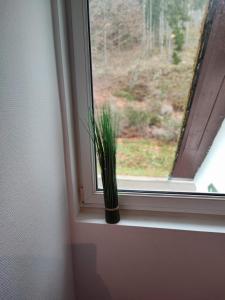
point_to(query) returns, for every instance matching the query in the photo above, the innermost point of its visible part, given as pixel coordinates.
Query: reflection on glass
(143, 57)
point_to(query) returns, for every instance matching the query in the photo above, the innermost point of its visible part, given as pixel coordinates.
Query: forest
(143, 54)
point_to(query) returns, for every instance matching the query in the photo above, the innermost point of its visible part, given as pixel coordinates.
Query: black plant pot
(112, 213)
(112, 216)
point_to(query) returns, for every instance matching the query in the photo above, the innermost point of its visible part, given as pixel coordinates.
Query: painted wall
(129, 263)
(212, 170)
(35, 256)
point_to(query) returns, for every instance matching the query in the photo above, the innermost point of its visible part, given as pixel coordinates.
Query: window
(141, 54)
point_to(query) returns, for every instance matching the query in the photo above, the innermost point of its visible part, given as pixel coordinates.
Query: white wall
(35, 258)
(212, 170)
(128, 263)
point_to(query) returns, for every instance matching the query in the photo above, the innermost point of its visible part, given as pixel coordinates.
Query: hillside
(143, 66)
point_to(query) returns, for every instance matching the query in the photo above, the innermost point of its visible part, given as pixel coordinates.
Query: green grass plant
(103, 129)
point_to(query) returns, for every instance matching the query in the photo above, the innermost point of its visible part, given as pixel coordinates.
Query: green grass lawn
(145, 157)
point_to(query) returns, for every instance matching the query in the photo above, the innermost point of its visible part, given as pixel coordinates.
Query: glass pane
(143, 57)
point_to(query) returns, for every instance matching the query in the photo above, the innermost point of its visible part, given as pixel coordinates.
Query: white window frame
(90, 197)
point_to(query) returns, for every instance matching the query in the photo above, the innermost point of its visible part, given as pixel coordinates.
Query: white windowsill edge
(157, 220)
(141, 183)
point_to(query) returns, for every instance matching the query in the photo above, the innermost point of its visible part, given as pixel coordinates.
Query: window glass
(149, 62)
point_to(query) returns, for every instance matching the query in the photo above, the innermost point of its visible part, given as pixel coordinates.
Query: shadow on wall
(89, 285)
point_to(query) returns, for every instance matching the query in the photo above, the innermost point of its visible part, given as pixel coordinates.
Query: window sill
(141, 183)
(169, 221)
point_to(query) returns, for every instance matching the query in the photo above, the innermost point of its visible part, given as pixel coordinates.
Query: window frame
(89, 195)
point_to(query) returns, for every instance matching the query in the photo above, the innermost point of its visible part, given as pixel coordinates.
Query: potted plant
(103, 130)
